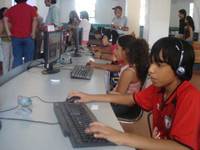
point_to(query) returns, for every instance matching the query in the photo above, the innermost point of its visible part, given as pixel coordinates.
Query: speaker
(180, 70)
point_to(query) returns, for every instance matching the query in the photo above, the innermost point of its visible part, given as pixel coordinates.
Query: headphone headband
(180, 70)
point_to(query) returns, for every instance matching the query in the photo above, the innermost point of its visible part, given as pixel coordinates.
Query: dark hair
(36, 8)
(2, 10)
(171, 48)
(84, 15)
(190, 22)
(53, 1)
(20, 1)
(137, 54)
(183, 11)
(73, 15)
(117, 7)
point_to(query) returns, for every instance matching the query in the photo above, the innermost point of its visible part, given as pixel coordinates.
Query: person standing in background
(38, 35)
(85, 24)
(189, 29)
(53, 13)
(6, 45)
(23, 20)
(182, 15)
(72, 25)
(119, 22)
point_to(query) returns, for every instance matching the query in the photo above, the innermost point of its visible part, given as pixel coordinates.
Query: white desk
(17, 135)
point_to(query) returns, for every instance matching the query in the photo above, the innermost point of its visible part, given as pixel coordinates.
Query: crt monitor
(52, 50)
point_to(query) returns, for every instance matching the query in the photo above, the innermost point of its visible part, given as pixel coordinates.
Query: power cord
(42, 100)
(32, 121)
(10, 109)
(26, 120)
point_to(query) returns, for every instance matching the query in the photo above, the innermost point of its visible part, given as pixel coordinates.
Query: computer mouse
(72, 99)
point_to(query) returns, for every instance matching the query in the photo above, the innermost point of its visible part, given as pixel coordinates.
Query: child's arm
(102, 131)
(113, 98)
(109, 57)
(108, 67)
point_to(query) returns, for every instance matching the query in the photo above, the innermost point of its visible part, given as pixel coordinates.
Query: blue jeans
(22, 47)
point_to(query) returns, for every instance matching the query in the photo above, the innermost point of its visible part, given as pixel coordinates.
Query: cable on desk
(31, 121)
(10, 109)
(48, 102)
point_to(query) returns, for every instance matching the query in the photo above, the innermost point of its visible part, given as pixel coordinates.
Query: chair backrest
(196, 47)
(197, 56)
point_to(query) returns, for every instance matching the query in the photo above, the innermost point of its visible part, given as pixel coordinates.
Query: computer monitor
(77, 37)
(52, 50)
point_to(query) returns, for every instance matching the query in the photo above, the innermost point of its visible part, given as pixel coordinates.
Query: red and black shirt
(178, 117)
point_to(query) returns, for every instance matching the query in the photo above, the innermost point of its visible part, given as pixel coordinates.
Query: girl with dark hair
(73, 19)
(20, 1)
(105, 51)
(172, 99)
(72, 26)
(134, 53)
(189, 29)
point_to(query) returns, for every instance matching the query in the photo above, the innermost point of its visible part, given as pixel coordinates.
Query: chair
(197, 56)
(196, 47)
(133, 116)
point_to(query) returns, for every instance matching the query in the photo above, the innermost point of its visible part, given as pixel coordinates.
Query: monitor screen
(52, 49)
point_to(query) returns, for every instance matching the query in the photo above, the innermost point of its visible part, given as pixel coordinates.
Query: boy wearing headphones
(172, 99)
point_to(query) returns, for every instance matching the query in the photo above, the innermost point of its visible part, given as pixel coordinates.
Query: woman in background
(189, 29)
(72, 25)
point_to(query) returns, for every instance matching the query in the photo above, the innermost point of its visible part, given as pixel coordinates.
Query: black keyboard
(82, 72)
(74, 118)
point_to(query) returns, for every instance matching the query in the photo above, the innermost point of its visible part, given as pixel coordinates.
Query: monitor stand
(51, 70)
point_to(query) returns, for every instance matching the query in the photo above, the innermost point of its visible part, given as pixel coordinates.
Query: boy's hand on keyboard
(99, 130)
(84, 98)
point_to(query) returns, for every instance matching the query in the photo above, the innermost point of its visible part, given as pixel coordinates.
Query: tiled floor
(141, 127)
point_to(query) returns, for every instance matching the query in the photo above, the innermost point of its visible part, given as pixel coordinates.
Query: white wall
(158, 19)
(176, 5)
(5, 3)
(133, 13)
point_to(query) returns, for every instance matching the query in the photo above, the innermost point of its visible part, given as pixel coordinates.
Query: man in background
(20, 23)
(53, 13)
(119, 22)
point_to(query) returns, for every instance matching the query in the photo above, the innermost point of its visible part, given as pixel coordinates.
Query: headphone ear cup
(180, 71)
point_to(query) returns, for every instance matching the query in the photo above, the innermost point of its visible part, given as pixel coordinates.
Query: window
(142, 13)
(86, 5)
(191, 11)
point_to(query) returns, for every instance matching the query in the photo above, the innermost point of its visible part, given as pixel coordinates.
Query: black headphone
(180, 70)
